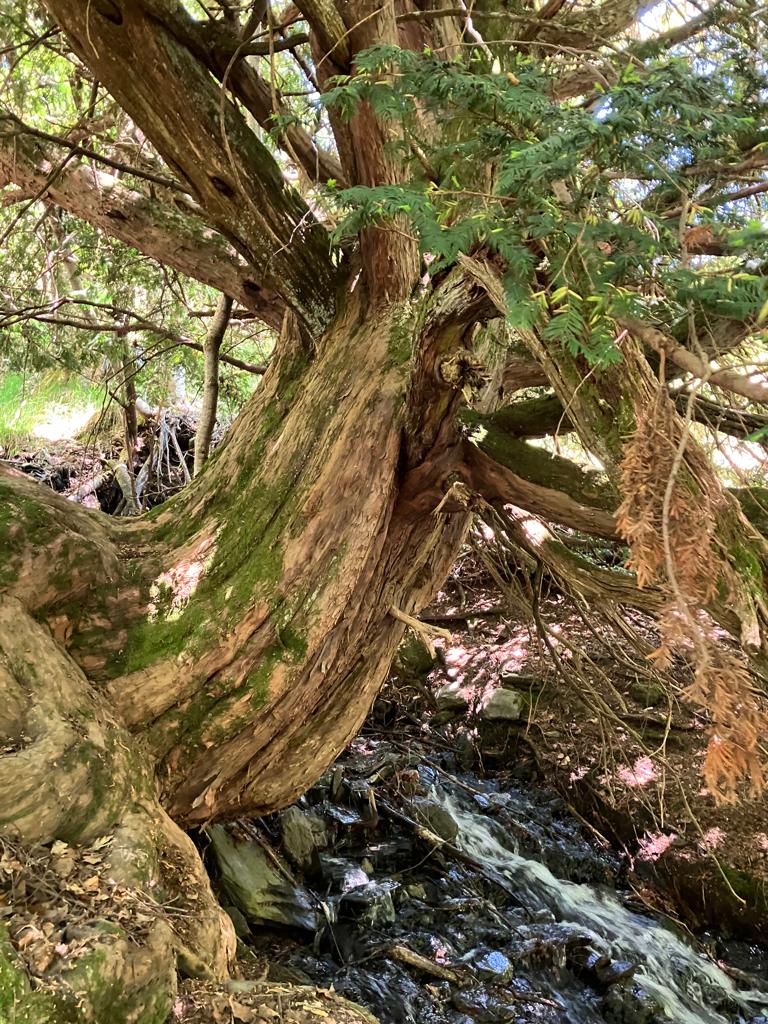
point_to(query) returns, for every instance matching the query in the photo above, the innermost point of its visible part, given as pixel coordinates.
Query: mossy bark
(210, 660)
(242, 633)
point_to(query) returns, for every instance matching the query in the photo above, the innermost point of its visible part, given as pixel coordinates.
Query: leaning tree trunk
(242, 633)
(222, 652)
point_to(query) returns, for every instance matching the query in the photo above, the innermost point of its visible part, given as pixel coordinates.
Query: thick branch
(753, 388)
(206, 140)
(222, 52)
(531, 417)
(159, 229)
(543, 417)
(500, 483)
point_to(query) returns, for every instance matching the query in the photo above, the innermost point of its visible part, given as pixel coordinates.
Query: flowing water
(524, 912)
(685, 982)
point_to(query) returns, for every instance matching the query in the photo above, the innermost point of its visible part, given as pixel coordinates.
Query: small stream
(687, 985)
(519, 917)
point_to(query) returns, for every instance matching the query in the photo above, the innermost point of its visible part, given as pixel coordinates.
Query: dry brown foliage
(669, 516)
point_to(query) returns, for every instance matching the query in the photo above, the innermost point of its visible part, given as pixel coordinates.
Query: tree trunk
(211, 349)
(225, 649)
(243, 632)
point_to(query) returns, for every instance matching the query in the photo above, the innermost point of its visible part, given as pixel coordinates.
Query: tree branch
(222, 52)
(205, 139)
(46, 315)
(756, 390)
(526, 488)
(212, 348)
(77, 150)
(160, 230)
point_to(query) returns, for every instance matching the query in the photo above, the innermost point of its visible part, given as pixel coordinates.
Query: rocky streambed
(431, 893)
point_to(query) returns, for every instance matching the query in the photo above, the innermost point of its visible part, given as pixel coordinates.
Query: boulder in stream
(303, 835)
(371, 903)
(255, 885)
(436, 818)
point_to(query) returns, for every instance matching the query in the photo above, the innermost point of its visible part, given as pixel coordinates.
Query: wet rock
(482, 1007)
(614, 971)
(416, 891)
(255, 885)
(436, 818)
(494, 965)
(450, 698)
(492, 803)
(359, 791)
(504, 706)
(344, 815)
(631, 1005)
(303, 835)
(284, 974)
(372, 903)
(342, 874)
(466, 750)
(589, 961)
(473, 1002)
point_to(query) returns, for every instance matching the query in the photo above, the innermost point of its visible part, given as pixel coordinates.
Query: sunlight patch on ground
(654, 844)
(641, 773)
(712, 838)
(62, 422)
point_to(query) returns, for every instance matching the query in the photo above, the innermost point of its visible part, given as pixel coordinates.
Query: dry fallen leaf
(241, 1012)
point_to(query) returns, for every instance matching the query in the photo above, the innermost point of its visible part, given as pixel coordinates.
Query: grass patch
(46, 407)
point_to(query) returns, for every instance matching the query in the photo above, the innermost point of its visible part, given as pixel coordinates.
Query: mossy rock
(413, 660)
(648, 695)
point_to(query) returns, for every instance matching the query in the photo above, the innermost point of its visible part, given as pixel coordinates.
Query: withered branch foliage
(672, 517)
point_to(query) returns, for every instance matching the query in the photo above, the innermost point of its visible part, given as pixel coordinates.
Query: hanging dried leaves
(672, 507)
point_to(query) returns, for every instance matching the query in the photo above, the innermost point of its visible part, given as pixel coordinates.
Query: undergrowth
(44, 407)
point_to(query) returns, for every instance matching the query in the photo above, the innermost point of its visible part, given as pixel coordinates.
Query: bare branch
(755, 388)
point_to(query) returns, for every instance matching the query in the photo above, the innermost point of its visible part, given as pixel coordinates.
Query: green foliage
(582, 203)
(48, 402)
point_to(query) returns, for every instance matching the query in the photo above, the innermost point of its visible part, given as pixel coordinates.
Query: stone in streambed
(614, 971)
(435, 817)
(371, 904)
(303, 835)
(256, 887)
(630, 1004)
(494, 966)
(240, 921)
(413, 660)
